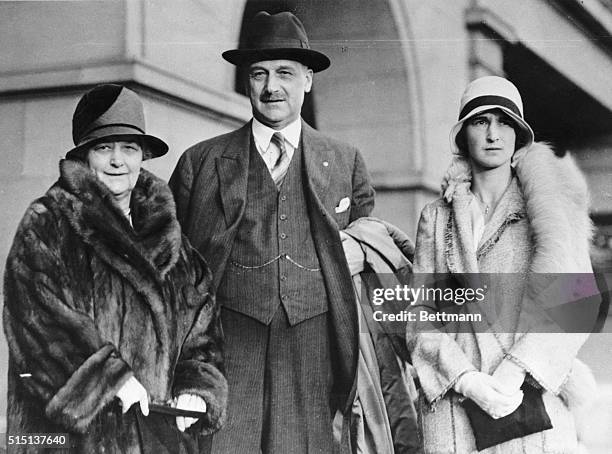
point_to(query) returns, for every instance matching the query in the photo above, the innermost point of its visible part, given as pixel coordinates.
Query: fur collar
(556, 200)
(153, 244)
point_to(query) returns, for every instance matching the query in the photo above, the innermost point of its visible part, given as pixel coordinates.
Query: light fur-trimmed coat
(89, 301)
(540, 225)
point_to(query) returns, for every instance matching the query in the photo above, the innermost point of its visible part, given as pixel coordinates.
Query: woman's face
(117, 165)
(490, 139)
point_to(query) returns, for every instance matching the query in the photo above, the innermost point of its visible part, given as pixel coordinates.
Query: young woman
(510, 206)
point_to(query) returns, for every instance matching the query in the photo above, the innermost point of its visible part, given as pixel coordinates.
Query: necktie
(279, 169)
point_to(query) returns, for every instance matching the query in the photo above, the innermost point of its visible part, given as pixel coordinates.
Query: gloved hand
(353, 253)
(510, 375)
(130, 393)
(488, 394)
(188, 402)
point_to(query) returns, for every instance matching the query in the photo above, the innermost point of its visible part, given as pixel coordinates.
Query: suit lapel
(233, 171)
(318, 164)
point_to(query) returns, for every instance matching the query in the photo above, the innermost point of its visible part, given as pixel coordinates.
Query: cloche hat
(276, 37)
(111, 111)
(492, 92)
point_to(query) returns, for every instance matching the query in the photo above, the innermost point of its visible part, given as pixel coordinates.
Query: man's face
(276, 89)
(491, 139)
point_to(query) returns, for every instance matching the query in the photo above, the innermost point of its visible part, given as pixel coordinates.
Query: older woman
(510, 206)
(106, 303)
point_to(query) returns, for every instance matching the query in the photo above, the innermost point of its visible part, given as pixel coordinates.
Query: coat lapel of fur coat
(151, 247)
(556, 201)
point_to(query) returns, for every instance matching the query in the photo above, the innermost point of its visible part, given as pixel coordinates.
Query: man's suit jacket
(210, 188)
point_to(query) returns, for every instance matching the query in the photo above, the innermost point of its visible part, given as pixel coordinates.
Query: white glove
(353, 253)
(188, 402)
(488, 393)
(130, 393)
(510, 375)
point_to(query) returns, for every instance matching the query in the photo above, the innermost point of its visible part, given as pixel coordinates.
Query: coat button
(283, 197)
(283, 217)
(283, 278)
(283, 236)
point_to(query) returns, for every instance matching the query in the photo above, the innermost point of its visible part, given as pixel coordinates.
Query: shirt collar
(263, 133)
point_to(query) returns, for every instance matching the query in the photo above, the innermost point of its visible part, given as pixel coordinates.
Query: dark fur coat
(90, 300)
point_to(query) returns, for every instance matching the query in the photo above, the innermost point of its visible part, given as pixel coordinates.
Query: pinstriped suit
(210, 188)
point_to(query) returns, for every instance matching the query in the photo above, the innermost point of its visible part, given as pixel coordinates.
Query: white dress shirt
(263, 135)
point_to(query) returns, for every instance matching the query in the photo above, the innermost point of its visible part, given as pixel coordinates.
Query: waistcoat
(273, 262)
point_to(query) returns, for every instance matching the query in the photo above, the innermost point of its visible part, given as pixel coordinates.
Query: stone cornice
(227, 104)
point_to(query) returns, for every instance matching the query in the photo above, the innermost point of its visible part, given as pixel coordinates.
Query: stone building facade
(398, 70)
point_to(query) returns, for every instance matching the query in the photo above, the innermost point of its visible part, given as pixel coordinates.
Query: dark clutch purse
(158, 432)
(530, 417)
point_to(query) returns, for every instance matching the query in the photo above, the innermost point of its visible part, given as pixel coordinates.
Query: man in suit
(264, 205)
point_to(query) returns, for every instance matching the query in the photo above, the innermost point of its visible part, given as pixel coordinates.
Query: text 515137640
(50, 440)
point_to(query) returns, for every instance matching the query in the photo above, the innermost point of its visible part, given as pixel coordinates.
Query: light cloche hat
(492, 92)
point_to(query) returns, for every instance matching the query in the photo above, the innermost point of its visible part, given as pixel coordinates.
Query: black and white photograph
(306, 226)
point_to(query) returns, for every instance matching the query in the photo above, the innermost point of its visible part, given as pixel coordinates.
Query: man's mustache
(269, 98)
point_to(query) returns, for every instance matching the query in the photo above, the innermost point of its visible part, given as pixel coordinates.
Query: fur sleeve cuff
(206, 381)
(547, 357)
(93, 385)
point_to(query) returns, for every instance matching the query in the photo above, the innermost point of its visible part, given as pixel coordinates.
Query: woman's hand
(489, 394)
(188, 402)
(510, 375)
(130, 393)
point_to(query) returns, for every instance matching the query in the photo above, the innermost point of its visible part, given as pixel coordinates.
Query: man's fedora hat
(276, 37)
(111, 112)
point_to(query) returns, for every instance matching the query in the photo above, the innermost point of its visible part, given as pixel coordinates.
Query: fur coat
(540, 225)
(89, 301)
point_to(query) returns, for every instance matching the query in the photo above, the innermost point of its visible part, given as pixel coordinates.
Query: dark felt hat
(276, 37)
(109, 112)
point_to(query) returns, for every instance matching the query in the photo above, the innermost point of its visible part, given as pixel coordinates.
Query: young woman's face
(490, 139)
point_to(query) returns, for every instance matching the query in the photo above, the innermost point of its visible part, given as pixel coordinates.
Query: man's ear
(308, 75)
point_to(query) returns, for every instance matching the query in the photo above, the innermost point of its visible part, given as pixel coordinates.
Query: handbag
(530, 417)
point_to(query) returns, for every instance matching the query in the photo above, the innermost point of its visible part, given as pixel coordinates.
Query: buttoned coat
(210, 189)
(540, 225)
